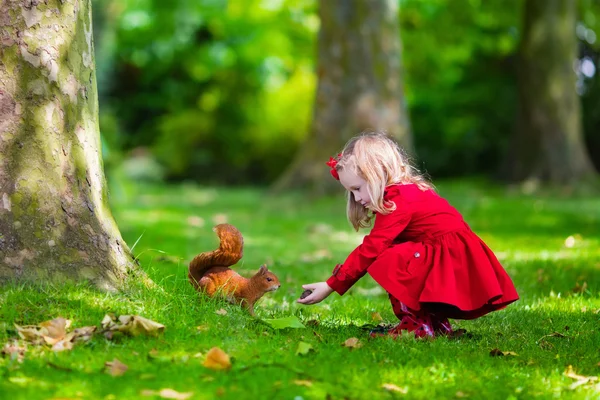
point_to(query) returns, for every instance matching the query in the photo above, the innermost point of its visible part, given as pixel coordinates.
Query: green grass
(550, 328)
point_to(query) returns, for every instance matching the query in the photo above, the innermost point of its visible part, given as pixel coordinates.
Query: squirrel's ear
(263, 269)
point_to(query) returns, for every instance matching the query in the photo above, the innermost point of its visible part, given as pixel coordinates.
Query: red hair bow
(332, 163)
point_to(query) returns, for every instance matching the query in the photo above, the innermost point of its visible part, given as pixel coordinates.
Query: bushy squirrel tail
(230, 251)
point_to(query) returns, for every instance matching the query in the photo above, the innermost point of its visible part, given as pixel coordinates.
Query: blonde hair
(380, 161)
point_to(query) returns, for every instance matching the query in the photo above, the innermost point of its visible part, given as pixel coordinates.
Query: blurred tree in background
(359, 86)
(222, 91)
(548, 142)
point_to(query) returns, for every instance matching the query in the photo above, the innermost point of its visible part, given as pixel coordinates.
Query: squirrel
(209, 271)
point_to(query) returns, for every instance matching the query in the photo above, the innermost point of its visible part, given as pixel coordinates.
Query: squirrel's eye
(269, 279)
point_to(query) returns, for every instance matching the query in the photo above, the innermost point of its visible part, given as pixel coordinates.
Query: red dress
(427, 257)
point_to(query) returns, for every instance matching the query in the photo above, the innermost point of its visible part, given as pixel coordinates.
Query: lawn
(547, 345)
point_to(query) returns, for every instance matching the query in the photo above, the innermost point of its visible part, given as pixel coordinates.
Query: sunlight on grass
(549, 246)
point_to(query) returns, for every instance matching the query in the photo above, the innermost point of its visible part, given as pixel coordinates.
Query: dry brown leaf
(217, 359)
(83, 334)
(302, 382)
(115, 367)
(30, 333)
(376, 317)
(55, 330)
(580, 288)
(65, 344)
(393, 388)
(221, 311)
(14, 351)
(580, 379)
(498, 353)
(108, 321)
(133, 325)
(352, 343)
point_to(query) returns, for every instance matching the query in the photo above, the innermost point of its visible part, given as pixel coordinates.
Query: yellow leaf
(115, 367)
(301, 382)
(352, 343)
(173, 394)
(217, 359)
(167, 394)
(376, 317)
(136, 325)
(393, 388)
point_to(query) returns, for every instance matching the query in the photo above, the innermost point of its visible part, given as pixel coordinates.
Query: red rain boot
(410, 321)
(441, 326)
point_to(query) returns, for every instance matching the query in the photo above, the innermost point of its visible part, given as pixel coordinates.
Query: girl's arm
(385, 229)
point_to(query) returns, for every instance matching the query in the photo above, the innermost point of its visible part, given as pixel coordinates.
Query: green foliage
(222, 91)
(548, 244)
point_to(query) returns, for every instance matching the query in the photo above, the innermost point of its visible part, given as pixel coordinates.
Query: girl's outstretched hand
(320, 291)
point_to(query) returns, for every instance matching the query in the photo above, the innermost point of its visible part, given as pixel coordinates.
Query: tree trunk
(359, 87)
(55, 223)
(548, 143)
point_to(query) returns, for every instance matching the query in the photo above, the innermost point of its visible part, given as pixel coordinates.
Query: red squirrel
(209, 271)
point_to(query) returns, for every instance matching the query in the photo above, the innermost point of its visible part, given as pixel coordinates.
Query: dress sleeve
(385, 229)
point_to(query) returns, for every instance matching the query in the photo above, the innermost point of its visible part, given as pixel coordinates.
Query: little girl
(419, 250)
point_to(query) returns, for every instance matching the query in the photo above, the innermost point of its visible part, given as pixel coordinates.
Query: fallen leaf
(14, 351)
(303, 348)
(133, 325)
(30, 333)
(54, 330)
(202, 328)
(167, 394)
(221, 311)
(302, 382)
(352, 343)
(83, 334)
(136, 325)
(65, 344)
(282, 323)
(115, 367)
(580, 288)
(173, 394)
(393, 388)
(376, 317)
(217, 359)
(580, 379)
(499, 353)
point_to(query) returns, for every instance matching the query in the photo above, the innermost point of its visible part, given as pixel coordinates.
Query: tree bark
(55, 223)
(548, 144)
(359, 87)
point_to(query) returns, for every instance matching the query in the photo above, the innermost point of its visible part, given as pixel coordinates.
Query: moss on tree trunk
(55, 223)
(359, 86)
